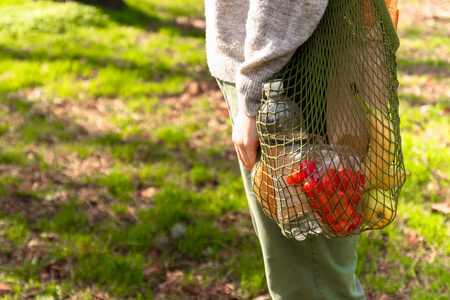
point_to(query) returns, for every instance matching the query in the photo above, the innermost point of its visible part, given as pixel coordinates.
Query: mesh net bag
(331, 161)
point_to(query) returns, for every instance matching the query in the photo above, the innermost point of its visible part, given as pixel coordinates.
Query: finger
(251, 158)
(250, 153)
(242, 155)
(247, 161)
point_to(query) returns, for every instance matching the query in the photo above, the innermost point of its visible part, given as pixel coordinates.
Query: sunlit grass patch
(86, 59)
(68, 219)
(416, 258)
(50, 17)
(201, 174)
(160, 171)
(145, 105)
(202, 239)
(423, 89)
(19, 75)
(15, 228)
(12, 157)
(121, 274)
(119, 184)
(172, 137)
(425, 143)
(250, 265)
(47, 129)
(95, 70)
(138, 237)
(7, 185)
(15, 105)
(4, 127)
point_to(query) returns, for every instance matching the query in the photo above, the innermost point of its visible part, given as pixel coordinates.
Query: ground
(105, 189)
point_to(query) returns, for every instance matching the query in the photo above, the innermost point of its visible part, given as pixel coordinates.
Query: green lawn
(112, 187)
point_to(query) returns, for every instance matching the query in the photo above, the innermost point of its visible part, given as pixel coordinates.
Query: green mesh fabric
(331, 161)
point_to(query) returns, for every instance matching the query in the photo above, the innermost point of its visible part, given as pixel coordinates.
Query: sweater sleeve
(275, 29)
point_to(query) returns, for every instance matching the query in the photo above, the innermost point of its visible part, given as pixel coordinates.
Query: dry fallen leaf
(149, 192)
(4, 288)
(443, 207)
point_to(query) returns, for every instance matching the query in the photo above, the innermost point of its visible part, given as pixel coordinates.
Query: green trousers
(316, 268)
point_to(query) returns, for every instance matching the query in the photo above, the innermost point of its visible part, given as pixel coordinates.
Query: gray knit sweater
(248, 41)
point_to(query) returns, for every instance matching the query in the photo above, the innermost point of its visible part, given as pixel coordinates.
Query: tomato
(289, 180)
(335, 197)
(356, 197)
(307, 168)
(355, 177)
(336, 179)
(329, 182)
(336, 226)
(293, 178)
(309, 189)
(355, 223)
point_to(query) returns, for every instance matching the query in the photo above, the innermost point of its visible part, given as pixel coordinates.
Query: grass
(112, 187)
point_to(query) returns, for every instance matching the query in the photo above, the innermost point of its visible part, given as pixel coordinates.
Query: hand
(245, 139)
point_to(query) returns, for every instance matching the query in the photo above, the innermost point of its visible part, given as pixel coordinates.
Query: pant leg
(316, 268)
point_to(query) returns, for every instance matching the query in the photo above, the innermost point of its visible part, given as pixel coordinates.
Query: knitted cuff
(249, 91)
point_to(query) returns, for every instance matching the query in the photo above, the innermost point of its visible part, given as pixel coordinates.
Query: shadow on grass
(438, 68)
(93, 59)
(110, 4)
(150, 21)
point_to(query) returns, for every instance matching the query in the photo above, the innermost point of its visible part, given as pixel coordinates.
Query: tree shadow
(128, 15)
(110, 4)
(435, 67)
(96, 61)
(132, 16)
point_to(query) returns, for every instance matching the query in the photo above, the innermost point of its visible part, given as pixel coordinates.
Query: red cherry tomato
(307, 168)
(355, 223)
(357, 178)
(335, 197)
(293, 178)
(329, 182)
(308, 187)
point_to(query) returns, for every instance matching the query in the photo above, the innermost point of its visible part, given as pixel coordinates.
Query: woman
(247, 42)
